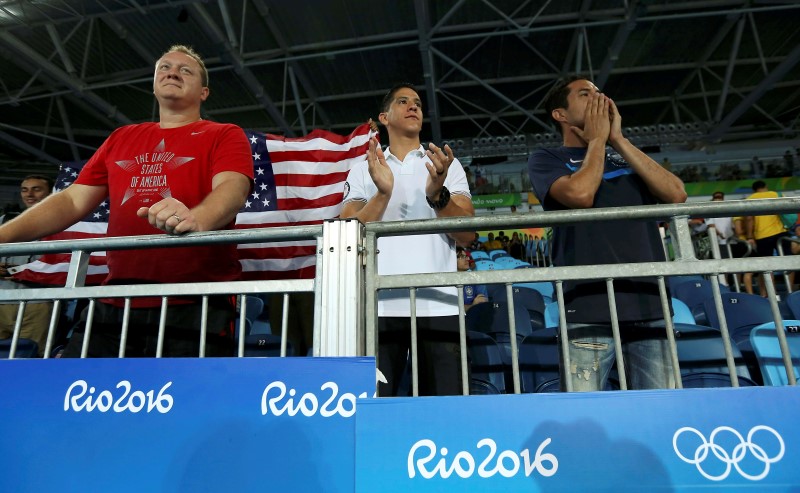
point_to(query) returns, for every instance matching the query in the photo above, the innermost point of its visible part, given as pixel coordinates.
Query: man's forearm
(220, 207)
(667, 187)
(54, 214)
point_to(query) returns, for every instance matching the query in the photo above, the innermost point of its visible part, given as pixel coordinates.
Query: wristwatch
(444, 199)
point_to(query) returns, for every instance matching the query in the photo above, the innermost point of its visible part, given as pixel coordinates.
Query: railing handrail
(550, 218)
(239, 236)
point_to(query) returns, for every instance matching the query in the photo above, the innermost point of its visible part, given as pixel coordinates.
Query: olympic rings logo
(736, 456)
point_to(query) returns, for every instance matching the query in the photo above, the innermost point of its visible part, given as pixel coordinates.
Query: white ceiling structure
(683, 73)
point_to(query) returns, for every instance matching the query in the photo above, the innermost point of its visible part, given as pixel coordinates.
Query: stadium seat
(538, 362)
(546, 288)
(694, 293)
(710, 380)
(491, 318)
(486, 365)
(484, 265)
(551, 315)
(681, 312)
(529, 299)
(265, 345)
(701, 351)
(505, 263)
(495, 254)
(674, 281)
(26, 348)
(793, 302)
(742, 312)
(479, 255)
(768, 353)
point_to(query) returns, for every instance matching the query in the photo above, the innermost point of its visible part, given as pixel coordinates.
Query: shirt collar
(419, 152)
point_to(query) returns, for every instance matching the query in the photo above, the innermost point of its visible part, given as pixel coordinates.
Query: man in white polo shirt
(408, 181)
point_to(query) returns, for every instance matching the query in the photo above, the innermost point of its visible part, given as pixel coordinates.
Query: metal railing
(685, 263)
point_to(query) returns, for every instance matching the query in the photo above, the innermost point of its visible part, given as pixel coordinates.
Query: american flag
(298, 181)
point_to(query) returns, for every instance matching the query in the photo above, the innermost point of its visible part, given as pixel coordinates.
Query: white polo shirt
(411, 254)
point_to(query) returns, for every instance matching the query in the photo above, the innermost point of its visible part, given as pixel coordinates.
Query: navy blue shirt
(596, 242)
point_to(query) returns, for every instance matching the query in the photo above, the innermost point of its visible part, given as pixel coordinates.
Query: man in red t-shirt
(180, 174)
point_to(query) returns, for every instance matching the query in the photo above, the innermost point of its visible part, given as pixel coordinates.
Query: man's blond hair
(187, 50)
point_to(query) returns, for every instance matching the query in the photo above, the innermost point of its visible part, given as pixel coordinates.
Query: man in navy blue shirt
(598, 167)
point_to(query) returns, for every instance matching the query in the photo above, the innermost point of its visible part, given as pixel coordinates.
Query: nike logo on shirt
(573, 161)
(198, 133)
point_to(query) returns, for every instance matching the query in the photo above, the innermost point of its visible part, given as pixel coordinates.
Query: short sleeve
(544, 168)
(456, 181)
(355, 189)
(232, 152)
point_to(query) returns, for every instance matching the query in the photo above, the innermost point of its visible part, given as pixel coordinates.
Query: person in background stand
(36, 320)
(408, 181)
(474, 294)
(585, 173)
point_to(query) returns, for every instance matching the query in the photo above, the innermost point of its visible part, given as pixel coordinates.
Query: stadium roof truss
(715, 70)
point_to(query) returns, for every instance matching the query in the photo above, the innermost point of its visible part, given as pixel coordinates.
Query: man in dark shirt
(598, 167)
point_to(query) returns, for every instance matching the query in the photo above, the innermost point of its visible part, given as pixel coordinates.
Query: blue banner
(676, 441)
(181, 425)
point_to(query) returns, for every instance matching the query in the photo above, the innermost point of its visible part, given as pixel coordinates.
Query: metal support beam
(226, 21)
(24, 146)
(132, 41)
(59, 46)
(299, 71)
(76, 85)
(62, 110)
(428, 70)
(737, 41)
(490, 88)
(620, 38)
(765, 85)
(300, 115)
(245, 74)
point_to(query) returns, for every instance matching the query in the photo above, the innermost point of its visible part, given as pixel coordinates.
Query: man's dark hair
(47, 180)
(719, 194)
(389, 97)
(556, 97)
(758, 185)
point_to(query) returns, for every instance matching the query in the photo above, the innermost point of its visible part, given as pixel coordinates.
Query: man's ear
(382, 118)
(559, 115)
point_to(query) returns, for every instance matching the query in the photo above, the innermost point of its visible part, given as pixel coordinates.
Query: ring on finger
(177, 217)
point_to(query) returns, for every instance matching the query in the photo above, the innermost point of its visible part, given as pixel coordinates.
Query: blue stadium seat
(538, 362)
(672, 282)
(701, 351)
(711, 380)
(479, 254)
(768, 353)
(529, 299)
(486, 364)
(265, 345)
(694, 293)
(793, 302)
(484, 265)
(26, 348)
(551, 315)
(546, 288)
(681, 312)
(495, 254)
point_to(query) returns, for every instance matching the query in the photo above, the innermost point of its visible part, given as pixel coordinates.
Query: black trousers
(439, 355)
(181, 336)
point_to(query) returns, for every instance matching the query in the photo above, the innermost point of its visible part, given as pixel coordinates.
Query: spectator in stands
(584, 173)
(408, 181)
(205, 171)
(666, 164)
(756, 167)
(473, 293)
(515, 247)
(763, 232)
(491, 243)
(476, 243)
(788, 163)
(36, 320)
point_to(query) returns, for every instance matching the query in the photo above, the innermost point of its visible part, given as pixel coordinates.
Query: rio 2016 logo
(507, 463)
(308, 404)
(81, 397)
(767, 449)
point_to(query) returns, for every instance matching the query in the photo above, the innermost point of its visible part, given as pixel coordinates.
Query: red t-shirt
(143, 164)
